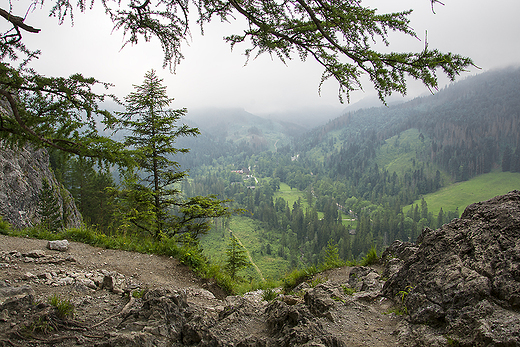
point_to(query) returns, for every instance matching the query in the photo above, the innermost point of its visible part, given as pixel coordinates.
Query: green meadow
(461, 194)
(255, 239)
(292, 195)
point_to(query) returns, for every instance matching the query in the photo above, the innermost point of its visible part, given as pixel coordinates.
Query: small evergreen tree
(332, 259)
(49, 208)
(236, 258)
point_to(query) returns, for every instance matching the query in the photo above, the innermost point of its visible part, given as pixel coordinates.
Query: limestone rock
(464, 278)
(23, 172)
(58, 245)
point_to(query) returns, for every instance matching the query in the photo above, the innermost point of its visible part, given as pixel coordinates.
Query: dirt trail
(356, 321)
(250, 258)
(151, 270)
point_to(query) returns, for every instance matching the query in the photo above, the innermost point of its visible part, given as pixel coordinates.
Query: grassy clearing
(398, 152)
(255, 239)
(406, 151)
(292, 196)
(462, 194)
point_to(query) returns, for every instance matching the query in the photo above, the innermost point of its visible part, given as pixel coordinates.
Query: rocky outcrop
(462, 281)
(22, 173)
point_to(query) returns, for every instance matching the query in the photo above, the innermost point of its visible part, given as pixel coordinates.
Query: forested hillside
(345, 184)
(358, 171)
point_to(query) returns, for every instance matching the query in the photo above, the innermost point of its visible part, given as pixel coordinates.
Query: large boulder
(464, 278)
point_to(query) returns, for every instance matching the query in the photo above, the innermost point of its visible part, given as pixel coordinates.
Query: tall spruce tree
(151, 199)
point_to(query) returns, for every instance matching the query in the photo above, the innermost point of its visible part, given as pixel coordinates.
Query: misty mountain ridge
(478, 114)
(233, 123)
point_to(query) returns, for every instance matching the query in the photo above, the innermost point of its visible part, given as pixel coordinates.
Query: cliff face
(22, 175)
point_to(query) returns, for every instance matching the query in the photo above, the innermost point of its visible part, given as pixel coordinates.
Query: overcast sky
(212, 75)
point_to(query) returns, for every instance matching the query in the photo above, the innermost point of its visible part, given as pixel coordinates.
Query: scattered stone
(290, 300)
(6, 292)
(58, 245)
(363, 278)
(89, 283)
(37, 253)
(29, 276)
(45, 276)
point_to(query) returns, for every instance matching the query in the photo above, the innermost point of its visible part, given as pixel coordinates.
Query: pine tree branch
(17, 22)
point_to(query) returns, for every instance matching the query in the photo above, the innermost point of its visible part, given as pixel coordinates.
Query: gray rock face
(464, 278)
(22, 173)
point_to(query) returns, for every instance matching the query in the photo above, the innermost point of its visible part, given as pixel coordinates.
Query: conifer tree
(49, 208)
(150, 198)
(236, 257)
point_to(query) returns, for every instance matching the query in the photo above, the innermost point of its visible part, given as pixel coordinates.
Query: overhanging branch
(17, 22)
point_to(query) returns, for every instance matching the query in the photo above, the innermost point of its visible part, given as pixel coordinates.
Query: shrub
(371, 257)
(298, 276)
(4, 227)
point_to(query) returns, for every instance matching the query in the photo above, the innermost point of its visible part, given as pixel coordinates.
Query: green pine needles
(341, 35)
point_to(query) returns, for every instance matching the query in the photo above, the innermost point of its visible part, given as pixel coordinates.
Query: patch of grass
(39, 325)
(452, 342)
(400, 152)
(347, 290)
(397, 310)
(297, 276)
(291, 196)
(319, 279)
(139, 293)
(479, 188)
(371, 257)
(401, 308)
(337, 298)
(4, 227)
(64, 308)
(269, 294)
(255, 239)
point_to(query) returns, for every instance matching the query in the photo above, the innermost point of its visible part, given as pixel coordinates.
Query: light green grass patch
(460, 195)
(253, 237)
